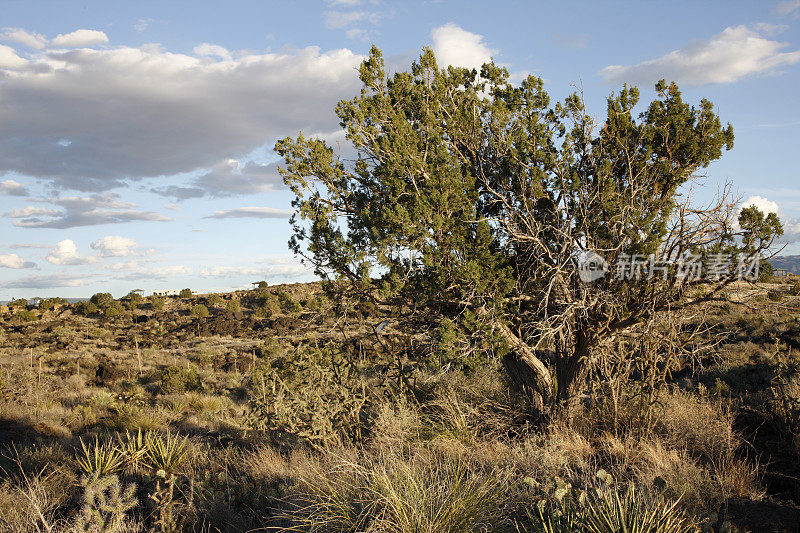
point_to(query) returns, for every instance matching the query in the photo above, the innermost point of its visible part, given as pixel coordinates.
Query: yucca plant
(99, 459)
(633, 512)
(133, 448)
(165, 454)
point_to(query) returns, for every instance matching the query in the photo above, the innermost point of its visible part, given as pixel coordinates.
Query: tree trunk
(570, 371)
(525, 369)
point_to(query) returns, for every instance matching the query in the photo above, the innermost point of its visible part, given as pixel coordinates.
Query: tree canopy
(468, 193)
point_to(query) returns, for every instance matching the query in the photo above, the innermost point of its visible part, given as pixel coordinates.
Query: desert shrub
(775, 295)
(765, 271)
(157, 302)
(794, 290)
(214, 300)
(316, 395)
(185, 293)
(18, 303)
(287, 304)
(113, 309)
(85, 308)
(199, 311)
(233, 306)
(177, 379)
(102, 299)
(26, 315)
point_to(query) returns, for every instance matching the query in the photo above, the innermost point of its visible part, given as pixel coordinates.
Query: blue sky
(135, 137)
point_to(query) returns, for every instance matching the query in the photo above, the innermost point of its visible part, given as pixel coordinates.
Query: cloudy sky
(136, 138)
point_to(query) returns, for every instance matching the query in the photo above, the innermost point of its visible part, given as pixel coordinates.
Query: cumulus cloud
(13, 188)
(763, 204)
(115, 246)
(66, 253)
(458, 47)
(94, 119)
(45, 281)
(733, 54)
(30, 39)
(79, 38)
(14, 261)
(252, 212)
(9, 58)
(292, 269)
(82, 211)
(213, 50)
(137, 273)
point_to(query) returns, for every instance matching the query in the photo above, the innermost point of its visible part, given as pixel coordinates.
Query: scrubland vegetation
(280, 408)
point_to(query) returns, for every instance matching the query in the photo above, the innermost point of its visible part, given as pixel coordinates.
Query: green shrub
(85, 308)
(27, 315)
(214, 300)
(233, 306)
(157, 302)
(794, 290)
(287, 303)
(18, 303)
(114, 309)
(102, 299)
(765, 270)
(177, 379)
(185, 293)
(199, 311)
(775, 295)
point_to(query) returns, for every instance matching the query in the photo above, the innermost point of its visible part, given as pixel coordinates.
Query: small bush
(185, 293)
(177, 379)
(199, 311)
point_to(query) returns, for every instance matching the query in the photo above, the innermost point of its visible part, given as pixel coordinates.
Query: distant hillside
(789, 262)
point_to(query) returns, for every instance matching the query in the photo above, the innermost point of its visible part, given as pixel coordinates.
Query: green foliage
(48, 304)
(18, 303)
(262, 285)
(105, 504)
(316, 394)
(157, 302)
(765, 271)
(185, 293)
(98, 460)
(214, 300)
(199, 311)
(85, 308)
(776, 295)
(102, 299)
(233, 306)
(471, 193)
(794, 290)
(113, 309)
(26, 315)
(178, 379)
(287, 304)
(165, 454)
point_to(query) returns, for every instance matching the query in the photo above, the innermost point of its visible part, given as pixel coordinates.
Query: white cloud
(66, 253)
(252, 212)
(764, 205)
(130, 113)
(458, 47)
(142, 24)
(733, 54)
(79, 38)
(115, 246)
(13, 188)
(213, 50)
(14, 261)
(31, 211)
(9, 58)
(77, 211)
(30, 39)
(787, 7)
(137, 273)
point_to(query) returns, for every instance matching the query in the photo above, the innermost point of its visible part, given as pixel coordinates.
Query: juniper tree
(470, 193)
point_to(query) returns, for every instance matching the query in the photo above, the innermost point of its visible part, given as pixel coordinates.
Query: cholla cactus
(105, 503)
(317, 395)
